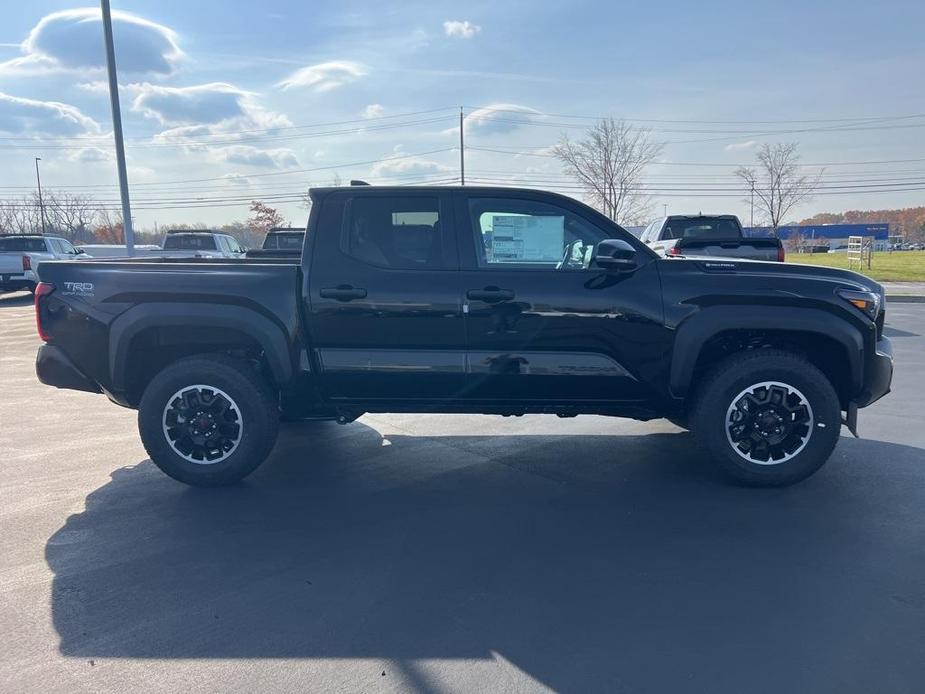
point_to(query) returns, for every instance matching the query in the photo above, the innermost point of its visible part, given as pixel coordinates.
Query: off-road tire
(719, 389)
(250, 394)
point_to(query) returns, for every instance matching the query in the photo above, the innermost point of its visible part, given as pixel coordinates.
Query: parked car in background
(20, 255)
(709, 235)
(281, 242)
(200, 243)
(468, 299)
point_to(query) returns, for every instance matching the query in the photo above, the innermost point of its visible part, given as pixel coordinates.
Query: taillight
(42, 289)
(674, 250)
(780, 254)
(26, 263)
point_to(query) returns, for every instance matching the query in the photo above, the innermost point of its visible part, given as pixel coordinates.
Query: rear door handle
(343, 292)
(490, 295)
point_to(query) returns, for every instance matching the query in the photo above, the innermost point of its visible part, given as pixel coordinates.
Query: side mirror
(614, 254)
(80, 251)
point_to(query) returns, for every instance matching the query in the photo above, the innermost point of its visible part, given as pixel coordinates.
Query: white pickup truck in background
(20, 255)
(715, 236)
(182, 243)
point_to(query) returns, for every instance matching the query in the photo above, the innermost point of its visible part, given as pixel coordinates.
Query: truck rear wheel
(208, 421)
(767, 417)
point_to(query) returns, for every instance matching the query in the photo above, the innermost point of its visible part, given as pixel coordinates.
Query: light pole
(665, 207)
(38, 180)
(117, 129)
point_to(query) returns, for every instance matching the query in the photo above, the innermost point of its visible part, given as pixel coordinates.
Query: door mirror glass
(614, 254)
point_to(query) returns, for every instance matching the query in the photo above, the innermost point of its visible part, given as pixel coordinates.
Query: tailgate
(11, 263)
(747, 248)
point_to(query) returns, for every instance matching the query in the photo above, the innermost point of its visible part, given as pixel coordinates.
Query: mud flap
(851, 419)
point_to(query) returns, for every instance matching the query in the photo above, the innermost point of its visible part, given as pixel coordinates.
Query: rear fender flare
(268, 334)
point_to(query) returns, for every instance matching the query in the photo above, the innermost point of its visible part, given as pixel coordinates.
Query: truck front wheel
(767, 417)
(208, 420)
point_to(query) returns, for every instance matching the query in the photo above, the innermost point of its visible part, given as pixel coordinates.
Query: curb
(904, 299)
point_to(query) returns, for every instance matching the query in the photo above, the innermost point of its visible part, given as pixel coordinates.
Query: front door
(385, 313)
(543, 326)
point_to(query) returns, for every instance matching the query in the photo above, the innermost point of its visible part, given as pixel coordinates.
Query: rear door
(384, 300)
(544, 328)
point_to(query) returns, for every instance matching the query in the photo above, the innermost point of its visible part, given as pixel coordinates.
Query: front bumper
(55, 368)
(878, 374)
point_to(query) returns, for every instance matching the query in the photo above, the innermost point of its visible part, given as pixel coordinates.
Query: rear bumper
(55, 368)
(878, 374)
(15, 282)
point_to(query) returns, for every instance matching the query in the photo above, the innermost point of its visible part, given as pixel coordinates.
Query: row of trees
(82, 219)
(610, 162)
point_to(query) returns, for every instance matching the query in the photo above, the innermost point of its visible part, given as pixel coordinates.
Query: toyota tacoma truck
(717, 236)
(475, 300)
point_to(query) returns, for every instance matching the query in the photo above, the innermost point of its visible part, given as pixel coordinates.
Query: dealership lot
(443, 553)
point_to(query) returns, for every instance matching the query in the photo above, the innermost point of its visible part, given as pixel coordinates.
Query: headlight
(868, 302)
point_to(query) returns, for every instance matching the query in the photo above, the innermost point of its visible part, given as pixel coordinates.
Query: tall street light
(38, 180)
(117, 129)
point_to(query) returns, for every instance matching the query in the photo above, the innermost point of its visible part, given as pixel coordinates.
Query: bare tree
(777, 183)
(71, 215)
(609, 163)
(20, 216)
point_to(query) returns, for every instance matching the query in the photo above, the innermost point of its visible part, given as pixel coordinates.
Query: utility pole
(38, 180)
(752, 223)
(117, 129)
(462, 150)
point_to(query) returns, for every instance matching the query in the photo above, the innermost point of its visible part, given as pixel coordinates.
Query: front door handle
(343, 292)
(490, 295)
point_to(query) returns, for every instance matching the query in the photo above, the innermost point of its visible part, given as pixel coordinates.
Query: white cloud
(497, 118)
(90, 155)
(738, 146)
(462, 30)
(21, 116)
(324, 77)
(374, 111)
(209, 118)
(200, 104)
(237, 179)
(252, 156)
(71, 40)
(401, 164)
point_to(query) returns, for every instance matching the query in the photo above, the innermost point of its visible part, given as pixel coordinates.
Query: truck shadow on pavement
(591, 563)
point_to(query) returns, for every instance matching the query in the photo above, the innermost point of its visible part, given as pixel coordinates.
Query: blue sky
(224, 102)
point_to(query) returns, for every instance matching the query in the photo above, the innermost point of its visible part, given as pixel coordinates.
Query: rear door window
(401, 233)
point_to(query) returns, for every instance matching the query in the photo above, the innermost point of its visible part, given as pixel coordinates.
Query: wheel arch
(234, 327)
(832, 343)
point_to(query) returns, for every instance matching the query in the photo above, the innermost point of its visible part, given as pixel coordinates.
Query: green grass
(899, 266)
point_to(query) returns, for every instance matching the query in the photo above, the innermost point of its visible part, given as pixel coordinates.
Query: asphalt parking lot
(456, 553)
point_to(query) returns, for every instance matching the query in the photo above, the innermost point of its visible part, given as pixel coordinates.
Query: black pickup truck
(467, 299)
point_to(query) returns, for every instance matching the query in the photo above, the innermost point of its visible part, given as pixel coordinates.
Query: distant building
(836, 234)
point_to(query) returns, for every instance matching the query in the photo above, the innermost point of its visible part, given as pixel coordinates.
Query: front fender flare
(694, 332)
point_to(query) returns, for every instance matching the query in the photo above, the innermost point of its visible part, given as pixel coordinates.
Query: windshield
(13, 244)
(702, 228)
(189, 242)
